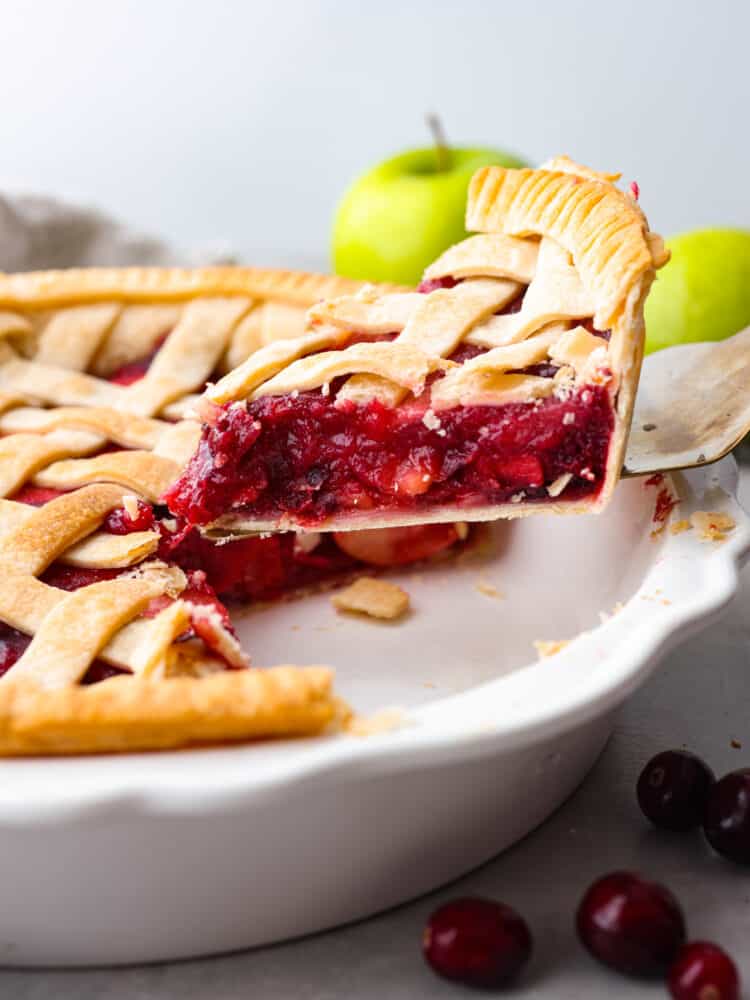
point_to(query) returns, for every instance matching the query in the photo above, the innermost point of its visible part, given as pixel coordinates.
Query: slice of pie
(113, 635)
(502, 386)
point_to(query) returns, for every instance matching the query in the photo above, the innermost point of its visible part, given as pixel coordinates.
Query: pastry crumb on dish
(604, 616)
(549, 647)
(373, 597)
(679, 526)
(383, 721)
(712, 526)
(488, 589)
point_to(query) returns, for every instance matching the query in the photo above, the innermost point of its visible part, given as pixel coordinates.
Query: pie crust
(370, 596)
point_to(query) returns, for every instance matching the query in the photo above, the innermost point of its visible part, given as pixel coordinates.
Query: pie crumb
(735, 744)
(549, 647)
(679, 526)
(172, 579)
(488, 589)
(555, 489)
(383, 721)
(370, 596)
(604, 616)
(712, 526)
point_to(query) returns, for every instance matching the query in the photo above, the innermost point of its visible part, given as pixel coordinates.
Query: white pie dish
(157, 856)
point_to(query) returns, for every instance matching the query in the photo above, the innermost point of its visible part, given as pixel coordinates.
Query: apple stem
(442, 149)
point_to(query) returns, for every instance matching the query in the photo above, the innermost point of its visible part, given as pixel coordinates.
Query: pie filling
(306, 457)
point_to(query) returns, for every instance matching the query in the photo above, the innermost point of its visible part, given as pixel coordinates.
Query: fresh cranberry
(727, 818)
(632, 925)
(672, 789)
(477, 942)
(703, 971)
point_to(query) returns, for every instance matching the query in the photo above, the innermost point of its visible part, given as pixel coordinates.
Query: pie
(113, 635)
(502, 386)
(164, 432)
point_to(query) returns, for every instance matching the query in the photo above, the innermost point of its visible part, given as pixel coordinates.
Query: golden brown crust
(47, 289)
(584, 251)
(131, 713)
(374, 597)
(602, 228)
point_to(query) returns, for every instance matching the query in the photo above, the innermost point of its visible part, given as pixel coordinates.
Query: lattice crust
(62, 335)
(178, 693)
(577, 248)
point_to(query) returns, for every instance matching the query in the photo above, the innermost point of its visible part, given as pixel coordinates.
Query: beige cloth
(37, 233)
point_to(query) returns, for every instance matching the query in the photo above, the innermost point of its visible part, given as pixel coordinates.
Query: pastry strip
(78, 627)
(130, 713)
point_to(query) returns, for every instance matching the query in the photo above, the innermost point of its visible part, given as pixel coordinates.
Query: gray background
(242, 122)
(239, 124)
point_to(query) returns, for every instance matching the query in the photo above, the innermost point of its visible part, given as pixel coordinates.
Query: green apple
(397, 218)
(703, 293)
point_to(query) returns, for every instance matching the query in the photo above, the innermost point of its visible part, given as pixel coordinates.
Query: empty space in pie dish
(476, 618)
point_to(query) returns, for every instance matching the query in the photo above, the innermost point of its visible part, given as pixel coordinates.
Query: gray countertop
(700, 697)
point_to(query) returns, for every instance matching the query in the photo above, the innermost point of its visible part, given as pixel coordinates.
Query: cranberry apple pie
(502, 386)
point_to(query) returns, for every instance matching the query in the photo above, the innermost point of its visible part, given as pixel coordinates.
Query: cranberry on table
(630, 924)
(703, 971)
(477, 942)
(673, 788)
(726, 822)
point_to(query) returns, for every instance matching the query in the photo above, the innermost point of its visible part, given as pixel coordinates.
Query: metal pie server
(692, 407)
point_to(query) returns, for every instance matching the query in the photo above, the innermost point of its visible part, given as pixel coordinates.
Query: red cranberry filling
(135, 370)
(36, 496)
(307, 457)
(120, 522)
(260, 568)
(433, 284)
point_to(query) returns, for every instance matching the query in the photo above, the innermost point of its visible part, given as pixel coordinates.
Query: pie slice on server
(503, 386)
